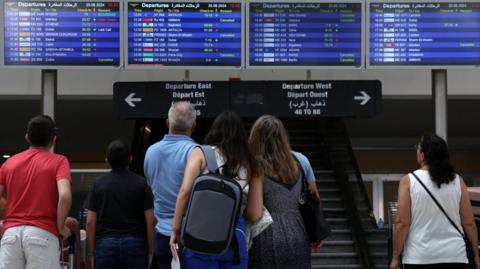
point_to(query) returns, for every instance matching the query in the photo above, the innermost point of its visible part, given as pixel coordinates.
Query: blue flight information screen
(305, 34)
(185, 34)
(62, 33)
(424, 34)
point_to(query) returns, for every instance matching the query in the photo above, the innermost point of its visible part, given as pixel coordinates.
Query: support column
(49, 92)
(440, 93)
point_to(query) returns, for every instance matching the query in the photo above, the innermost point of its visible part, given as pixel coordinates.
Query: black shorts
(436, 266)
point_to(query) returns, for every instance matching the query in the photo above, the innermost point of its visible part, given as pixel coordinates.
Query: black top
(120, 198)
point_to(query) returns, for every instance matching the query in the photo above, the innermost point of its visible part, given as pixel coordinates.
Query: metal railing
(392, 214)
(338, 148)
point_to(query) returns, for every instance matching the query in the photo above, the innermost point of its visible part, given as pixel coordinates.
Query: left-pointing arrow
(130, 100)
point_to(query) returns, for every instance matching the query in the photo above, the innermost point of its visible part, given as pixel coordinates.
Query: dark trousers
(121, 252)
(436, 266)
(162, 251)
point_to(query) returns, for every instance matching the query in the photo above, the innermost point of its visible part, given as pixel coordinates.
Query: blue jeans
(162, 251)
(193, 260)
(121, 252)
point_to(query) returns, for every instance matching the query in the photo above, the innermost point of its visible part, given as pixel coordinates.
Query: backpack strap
(236, 250)
(210, 158)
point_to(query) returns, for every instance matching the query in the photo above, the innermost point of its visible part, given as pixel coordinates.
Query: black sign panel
(307, 98)
(153, 99)
(286, 99)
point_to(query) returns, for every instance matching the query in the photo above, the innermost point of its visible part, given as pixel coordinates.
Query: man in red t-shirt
(38, 188)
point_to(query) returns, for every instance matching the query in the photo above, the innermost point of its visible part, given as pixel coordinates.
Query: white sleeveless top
(432, 238)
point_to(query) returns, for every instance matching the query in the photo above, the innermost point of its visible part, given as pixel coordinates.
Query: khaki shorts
(28, 247)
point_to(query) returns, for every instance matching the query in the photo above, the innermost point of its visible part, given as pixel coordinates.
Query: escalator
(345, 202)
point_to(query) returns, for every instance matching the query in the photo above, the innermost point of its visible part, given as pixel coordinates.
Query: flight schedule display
(183, 34)
(424, 33)
(62, 33)
(308, 34)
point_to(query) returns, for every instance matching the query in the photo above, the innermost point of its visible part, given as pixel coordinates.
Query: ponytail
(437, 157)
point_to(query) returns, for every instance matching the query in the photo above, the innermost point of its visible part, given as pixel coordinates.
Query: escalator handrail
(358, 175)
(354, 215)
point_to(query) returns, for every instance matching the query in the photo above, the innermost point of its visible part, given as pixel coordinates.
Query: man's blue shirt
(306, 166)
(164, 166)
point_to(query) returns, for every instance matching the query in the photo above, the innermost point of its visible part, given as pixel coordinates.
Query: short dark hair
(118, 155)
(41, 130)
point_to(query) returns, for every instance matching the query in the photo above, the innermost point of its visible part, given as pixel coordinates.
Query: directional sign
(153, 99)
(335, 98)
(131, 100)
(364, 98)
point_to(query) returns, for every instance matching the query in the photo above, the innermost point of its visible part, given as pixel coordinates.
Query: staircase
(341, 249)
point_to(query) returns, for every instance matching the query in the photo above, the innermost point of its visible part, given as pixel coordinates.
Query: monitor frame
(129, 66)
(305, 67)
(409, 66)
(16, 66)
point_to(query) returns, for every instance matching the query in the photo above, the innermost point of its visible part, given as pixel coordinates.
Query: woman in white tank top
(422, 231)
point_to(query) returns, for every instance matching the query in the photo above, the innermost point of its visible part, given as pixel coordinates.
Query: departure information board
(305, 34)
(181, 34)
(62, 33)
(424, 34)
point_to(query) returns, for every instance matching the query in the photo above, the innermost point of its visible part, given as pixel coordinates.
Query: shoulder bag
(311, 210)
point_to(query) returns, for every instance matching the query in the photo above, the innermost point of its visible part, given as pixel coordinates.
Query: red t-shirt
(30, 180)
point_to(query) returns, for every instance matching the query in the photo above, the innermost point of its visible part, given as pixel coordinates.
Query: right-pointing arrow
(364, 97)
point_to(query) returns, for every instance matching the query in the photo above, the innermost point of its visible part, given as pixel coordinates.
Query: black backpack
(212, 211)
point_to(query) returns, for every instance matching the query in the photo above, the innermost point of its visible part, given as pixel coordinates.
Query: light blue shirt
(164, 166)
(306, 166)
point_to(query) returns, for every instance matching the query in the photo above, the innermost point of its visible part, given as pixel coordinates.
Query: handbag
(310, 207)
(468, 244)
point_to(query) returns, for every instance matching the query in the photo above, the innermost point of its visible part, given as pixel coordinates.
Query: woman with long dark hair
(228, 138)
(284, 244)
(424, 233)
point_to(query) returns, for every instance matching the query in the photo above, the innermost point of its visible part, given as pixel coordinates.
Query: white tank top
(432, 238)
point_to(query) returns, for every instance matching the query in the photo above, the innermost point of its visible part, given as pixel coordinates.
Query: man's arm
(64, 204)
(151, 221)
(2, 202)
(91, 228)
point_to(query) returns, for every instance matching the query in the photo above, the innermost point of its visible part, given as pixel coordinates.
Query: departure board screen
(305, 34)
(424, 34)
(61, 33)
(181, 34)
